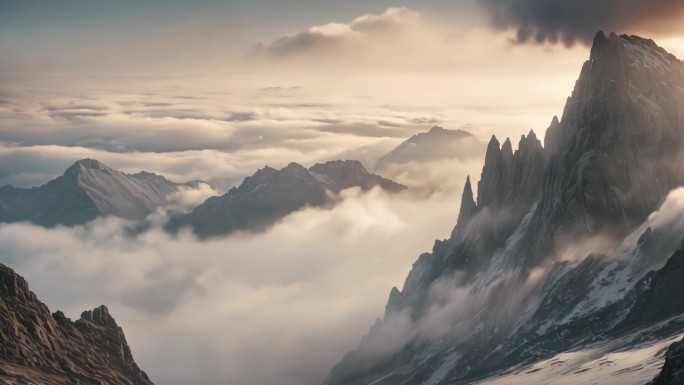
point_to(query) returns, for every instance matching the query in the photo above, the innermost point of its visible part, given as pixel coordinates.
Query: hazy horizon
(213, 91)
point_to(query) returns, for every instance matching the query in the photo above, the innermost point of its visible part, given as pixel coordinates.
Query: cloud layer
(236, 310)
(571, 21)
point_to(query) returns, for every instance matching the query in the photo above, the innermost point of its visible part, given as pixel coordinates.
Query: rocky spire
(552, 137)
(507, 150)
(492, 174)
(468, 207)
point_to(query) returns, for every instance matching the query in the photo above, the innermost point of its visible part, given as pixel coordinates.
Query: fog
(274, 308)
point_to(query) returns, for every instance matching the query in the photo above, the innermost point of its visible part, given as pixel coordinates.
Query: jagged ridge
(271, 194)
(606, 165)
(43, 348)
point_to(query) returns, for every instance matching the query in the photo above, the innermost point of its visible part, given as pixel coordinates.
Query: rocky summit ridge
(270, 194)
(37, 347)
(558, 250)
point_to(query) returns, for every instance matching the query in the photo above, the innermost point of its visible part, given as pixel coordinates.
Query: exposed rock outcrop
(42, 348)
(499, 292)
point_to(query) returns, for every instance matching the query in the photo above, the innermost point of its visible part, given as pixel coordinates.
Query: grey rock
(270, 194)
(87, 190)
(605, 166)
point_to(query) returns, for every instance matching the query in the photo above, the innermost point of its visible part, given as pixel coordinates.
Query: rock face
(616, 152)
(556, 251)
(42, 348)
(87, 190)
(436, 144)
(673, 368)
(271, 194)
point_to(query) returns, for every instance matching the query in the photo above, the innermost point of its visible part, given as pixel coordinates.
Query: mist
(236, 310)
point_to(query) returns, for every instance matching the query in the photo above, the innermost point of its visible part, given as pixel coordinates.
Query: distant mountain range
(432, 161)
(37, 347)
(558, 252)
(271, 194)
(434, 145)
(87, 190)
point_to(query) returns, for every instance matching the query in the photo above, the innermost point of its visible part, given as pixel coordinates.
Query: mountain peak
(468, 207)
(91, 163)
(86, 164)
(100, 315)
(337, 175)
(619, 50)
(435, 129)
(507, 149)
(353, 166)
(294, 168)
(51, 349)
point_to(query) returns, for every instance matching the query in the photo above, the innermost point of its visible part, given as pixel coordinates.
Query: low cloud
(569, 22)
(236, 310)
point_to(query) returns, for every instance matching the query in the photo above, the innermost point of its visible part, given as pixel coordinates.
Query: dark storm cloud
(570, 21)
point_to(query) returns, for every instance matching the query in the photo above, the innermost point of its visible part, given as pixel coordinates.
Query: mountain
(434, 145)
(339, 175)
(565, 248)
(37, 347)
(429, 162)
(87, 190)
(271, 194)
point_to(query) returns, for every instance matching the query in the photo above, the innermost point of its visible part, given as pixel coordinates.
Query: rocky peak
(468, 207)
(612, 152)
(84, 165)
(489, 186)
(43, 348)
(507, 150)
(339, 167)
(99, 315)
(294, 169)
(509, 177)
(552, 136)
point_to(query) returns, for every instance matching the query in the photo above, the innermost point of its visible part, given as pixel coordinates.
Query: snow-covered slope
(567, 247)
(88, 189)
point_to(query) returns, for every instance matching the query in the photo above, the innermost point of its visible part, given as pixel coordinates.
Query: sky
(213, 90)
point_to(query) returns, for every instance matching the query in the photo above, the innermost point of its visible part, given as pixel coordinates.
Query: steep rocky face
(87, 190)
(271, 194)
(672, 372)
(436, 144)
(616, 152)
(496, 295)
(510, 184)
(42, 348)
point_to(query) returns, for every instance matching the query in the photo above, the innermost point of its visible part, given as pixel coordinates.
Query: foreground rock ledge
(42, 348)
